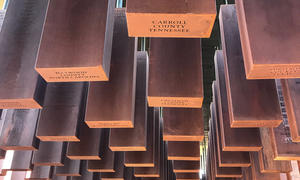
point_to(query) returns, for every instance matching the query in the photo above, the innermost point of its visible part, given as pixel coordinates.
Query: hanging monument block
(256, 174)
(226, 158)
(18, 131)
(177, 129)
(267, 163)
(163, 18)
(266, 156)
(18, 161)
(236, 139)
(119, 168)
(158, 152)
(63, 111)
(250, 103)
(85, 174)
(186, 166)
(41, 173)
(129, 174)
(70, 168)
(106, 164)
(208, 168)
(221, 172)
(247, 173)
(77, 41)
(118, 94)
(89, 146)
(146, 158)
(49, 154)
(135, 139)
(20, 86)
(271, 42)
(281, 142)
(175, 73)
(290, 91)
(211, 165)
(233, 139)
(184, 151)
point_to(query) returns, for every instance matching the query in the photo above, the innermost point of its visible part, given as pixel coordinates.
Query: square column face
(164, 18)
(270, 37)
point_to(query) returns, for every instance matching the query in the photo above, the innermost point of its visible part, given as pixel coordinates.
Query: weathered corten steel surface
(41, 173)
(77, 41)
(119, 168)
(135, 139)
(247, 173)
(271, 42)
(251, 103)
(267, 164)
(18, 131)
(256, 174)
(184, 150)
(20, 86)
(63, 111)
(226, 158)
(171, 174)
(213, 164)
(209, 170)
(176, 127)
(89, 146)
(146, 158)
(118, 94)
(182, 176)
(21, 161)
(186, 166)
(163, 18)
(175, 73)
(157, 152)
(233, 139)
(290, 91)
(164, 160)
(85, 174)
(282, 146)
(49, 154)
(129, 174)
(221, 172)
(70, 168)
(106, 164)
